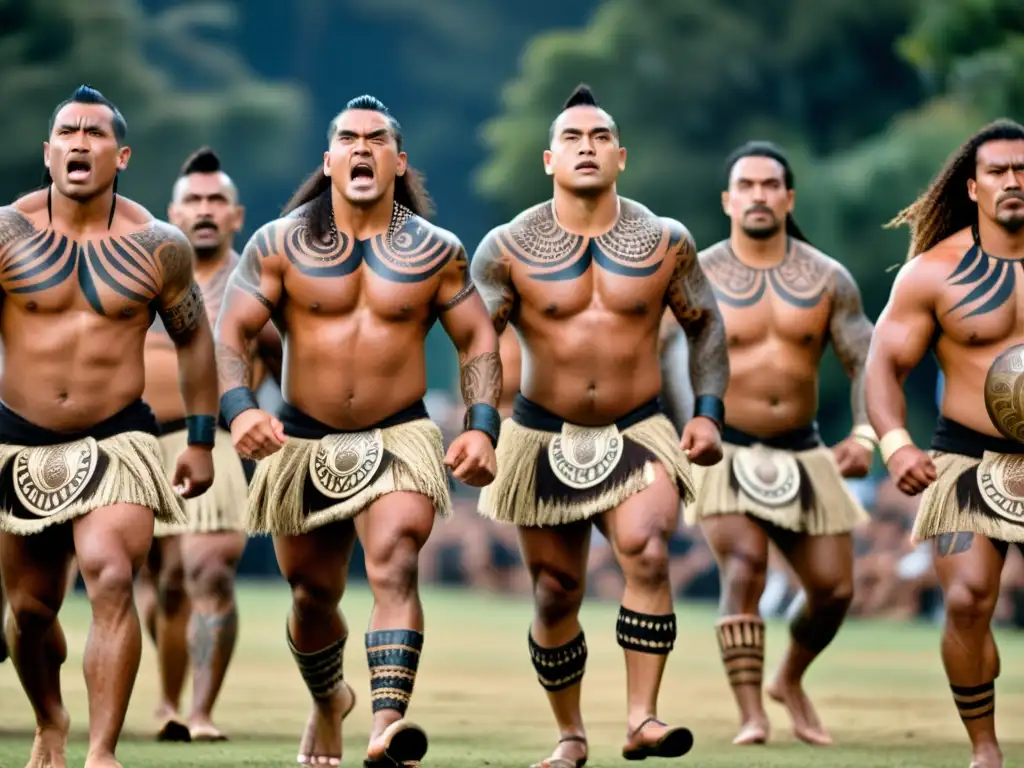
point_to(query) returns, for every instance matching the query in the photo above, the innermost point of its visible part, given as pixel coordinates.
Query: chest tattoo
(991, 281)
(630, 249)
(800, 280)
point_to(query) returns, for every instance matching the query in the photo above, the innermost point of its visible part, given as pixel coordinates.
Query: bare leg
(824, 565)
(211, 560)
(111, 544)
(740, 546)
(969, 567)
(393, 530)
(316, 567)
(3, 618)
(33, 570)
(556, 558)
(639, 531)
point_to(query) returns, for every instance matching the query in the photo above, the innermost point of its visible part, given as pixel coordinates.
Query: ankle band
(321, 670)
(975, 701)
(741, 642)
(646, 633)
(394, 657)
(561, 667)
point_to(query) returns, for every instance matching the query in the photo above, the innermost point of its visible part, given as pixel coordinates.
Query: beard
(762, 232)
(1013, 223)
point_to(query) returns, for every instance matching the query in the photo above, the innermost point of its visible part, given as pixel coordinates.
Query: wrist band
(710, 407)
(236, 400)
(202, 430)
(865, 436)
(484, 418)
(892, 441)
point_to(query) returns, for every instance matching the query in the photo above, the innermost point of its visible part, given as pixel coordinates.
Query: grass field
(880, 689)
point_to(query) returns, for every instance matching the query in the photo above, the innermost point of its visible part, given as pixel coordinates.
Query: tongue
(79, 174)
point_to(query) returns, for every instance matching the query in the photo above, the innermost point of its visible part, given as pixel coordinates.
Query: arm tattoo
(182, 318)
(693, 302)
(850, 331)
(461, 263)
(13, 226)
(250, 267)
(234, 368)
(481, 379)
(493, 278)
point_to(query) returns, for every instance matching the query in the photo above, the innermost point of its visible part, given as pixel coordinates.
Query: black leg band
(560, 667)
(976, 701)
(321, 670)
(646, 633)
(394, 657)
(741, 642)
(814, 631)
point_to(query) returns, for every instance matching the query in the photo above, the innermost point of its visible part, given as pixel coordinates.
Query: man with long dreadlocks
(958, 296)
(354, 277)
(584, 278)
(783, 301)
(83, 271)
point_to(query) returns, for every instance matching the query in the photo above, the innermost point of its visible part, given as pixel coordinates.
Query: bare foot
(752, 732)
(201, 728)
(402, 743)
(50, 741)
(101, 761)
(653, 738)
(987, 757)
(321, 743)
(806, 725)
(571, 752)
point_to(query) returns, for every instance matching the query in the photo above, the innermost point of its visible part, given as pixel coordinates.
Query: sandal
(675, 742)
(564, 762)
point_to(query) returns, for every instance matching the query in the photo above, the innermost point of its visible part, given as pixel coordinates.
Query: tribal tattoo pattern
(991, 280)
(801, 279)
(481, 379)
(152, 266)
(850, 331)
(213, 295)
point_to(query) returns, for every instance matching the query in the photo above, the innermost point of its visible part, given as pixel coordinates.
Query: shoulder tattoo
(801, 279)
(460, 262)
(991, 282)
(182, 309)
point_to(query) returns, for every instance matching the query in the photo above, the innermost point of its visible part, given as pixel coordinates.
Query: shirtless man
(82, 272)
(584, 279)
(783, 301)
(957, 295)
(186, 593)
(511, 370)
(354, 277)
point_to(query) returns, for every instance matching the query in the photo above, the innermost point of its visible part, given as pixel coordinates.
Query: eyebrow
(592, 131)
(371, 135)
(80, 126)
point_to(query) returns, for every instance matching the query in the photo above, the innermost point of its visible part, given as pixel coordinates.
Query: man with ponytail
(783, 301)
(960, 296)
(584, 279)
(83, 271)
(354, 276)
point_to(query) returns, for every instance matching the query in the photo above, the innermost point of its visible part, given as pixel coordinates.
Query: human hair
(945, 207)
(203, 160)
(410, 188)
(759, 148)
(581, 96)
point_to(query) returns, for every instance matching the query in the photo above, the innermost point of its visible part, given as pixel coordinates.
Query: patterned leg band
(741, 641)
(646, 633)
(976, 701)
(321, 670)
(560, 667)
(394, 657)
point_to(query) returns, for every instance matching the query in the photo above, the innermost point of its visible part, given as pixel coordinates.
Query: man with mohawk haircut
(584, 279)
(958, 296)
(354, 276)
(186, 592)
(83, 271)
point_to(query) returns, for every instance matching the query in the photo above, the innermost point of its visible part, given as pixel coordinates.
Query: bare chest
(115, 277)
(983, 301)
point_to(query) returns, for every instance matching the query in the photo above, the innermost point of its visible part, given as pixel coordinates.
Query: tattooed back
(969, 306)
(587, 309)
(353, 314)
(76, 309)
(778, 321)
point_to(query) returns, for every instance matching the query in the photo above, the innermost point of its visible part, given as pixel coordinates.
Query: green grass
(879, 688)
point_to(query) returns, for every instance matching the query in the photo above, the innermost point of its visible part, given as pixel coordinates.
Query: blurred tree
(177, 89)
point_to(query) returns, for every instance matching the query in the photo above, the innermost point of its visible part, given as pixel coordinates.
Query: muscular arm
(900, 341)
(492, 277)
(252, 292)
(181, 309)
(465, 320)
(850, 331)
(270, 350)
(693, 303)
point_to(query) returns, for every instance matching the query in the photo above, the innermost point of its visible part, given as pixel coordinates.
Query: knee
(557, 595)
(313, 599)
(647, 566)
(393, 574)
(968, 607)
(109, 583)
(831, 596)
(170, 589)
(213, 582)
(743, 576)
(32, 614)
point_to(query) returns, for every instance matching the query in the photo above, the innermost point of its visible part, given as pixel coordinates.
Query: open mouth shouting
(79, 170)
(362, 175)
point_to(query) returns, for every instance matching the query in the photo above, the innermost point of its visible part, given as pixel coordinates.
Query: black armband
(485, 418)
(202, 430)
(236, 400)
(710, 407)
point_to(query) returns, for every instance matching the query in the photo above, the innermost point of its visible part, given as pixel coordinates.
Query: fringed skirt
(222, 507)
(979, 486)
(551, 472)
(48, 478)
(790, 481)
(321, 475)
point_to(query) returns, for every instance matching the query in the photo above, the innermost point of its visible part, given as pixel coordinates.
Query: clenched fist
(193, 472)
(911, 469)
(702, 441)
(471, 458)
(256, 434)
(854, 459)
